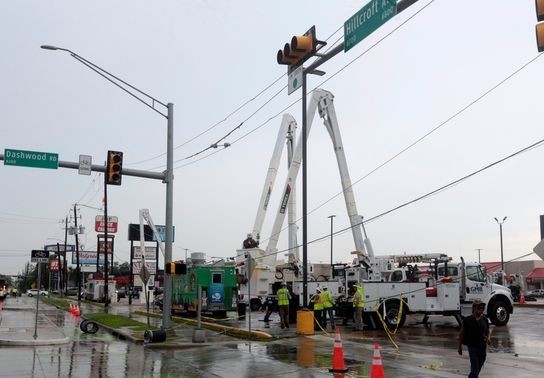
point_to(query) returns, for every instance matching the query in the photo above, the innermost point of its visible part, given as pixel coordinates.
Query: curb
(35, 342)
(224, 328)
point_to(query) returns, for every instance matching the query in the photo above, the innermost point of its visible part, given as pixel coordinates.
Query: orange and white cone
(76, 310)
(338, 365)
(377, 367)
(71, 310)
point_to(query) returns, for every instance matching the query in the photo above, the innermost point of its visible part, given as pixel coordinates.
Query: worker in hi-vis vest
(328, 302)
(283, 303)
(358, 306)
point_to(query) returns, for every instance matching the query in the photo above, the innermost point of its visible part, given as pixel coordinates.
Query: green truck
(219, 290)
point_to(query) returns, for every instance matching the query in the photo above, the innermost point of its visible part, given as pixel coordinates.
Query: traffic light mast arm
(401, 6)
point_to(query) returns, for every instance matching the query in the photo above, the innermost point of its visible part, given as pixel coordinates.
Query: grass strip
(117, 321)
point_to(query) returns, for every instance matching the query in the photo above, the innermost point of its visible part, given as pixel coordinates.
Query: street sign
(33, 159)
(85, 162)
(294, 80)
(100, 224)
(39, 256)
(145, 275)
(367, 20)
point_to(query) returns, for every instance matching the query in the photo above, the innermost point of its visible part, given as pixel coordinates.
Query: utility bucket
(305, 322)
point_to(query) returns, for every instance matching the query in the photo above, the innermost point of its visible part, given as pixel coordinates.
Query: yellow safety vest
(318, 304)
(326, 299)
(361, 299)
(283, 297)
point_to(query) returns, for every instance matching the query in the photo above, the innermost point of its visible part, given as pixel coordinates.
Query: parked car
(33, 292)
(538, 293)
(71, 291)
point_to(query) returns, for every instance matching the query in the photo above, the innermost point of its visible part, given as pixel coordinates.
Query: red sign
(100, 224)
(54, 264)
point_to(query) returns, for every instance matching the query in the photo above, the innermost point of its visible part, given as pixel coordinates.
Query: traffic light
(175, 268)
(170, 268)
(114, 168)
(180, 268)
(539, 5)
(301, 48)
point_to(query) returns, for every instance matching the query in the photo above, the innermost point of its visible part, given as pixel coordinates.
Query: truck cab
(474, 284)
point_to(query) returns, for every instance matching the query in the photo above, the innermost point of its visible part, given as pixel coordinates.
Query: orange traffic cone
(71, 310)
(522, 299)
(76, 310)
(377, 367)
(338, 365)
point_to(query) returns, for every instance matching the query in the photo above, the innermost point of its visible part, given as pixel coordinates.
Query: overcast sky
(428, 64)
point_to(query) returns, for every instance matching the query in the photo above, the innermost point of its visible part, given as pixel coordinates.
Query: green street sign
(367, 20)
(34, 159)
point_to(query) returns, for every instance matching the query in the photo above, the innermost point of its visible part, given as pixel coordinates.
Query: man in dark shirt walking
(475, 335)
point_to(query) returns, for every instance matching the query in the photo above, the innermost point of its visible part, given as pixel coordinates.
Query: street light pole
(479, 249)
(331, 217)
(168, 173)
(500, 230)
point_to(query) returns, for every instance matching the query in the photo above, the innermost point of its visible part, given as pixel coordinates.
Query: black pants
(477, 357)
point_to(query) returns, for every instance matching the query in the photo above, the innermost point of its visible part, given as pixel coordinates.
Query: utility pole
(65, 266)
(331, 217)
(78, 275)
(479, 249)
(186, 249)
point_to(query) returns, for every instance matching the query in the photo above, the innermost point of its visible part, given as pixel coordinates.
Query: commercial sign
(161, 229)
(137, 265)
(100, 224)
(102, 246)
(59, 248)
(89, 258)
(367, 20)
(54, 265)
(33, 159)
(150, 253)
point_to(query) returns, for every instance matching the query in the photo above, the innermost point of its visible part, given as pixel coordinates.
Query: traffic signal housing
(175, 268)
(301, 48)
(114, 168)
(539, 5)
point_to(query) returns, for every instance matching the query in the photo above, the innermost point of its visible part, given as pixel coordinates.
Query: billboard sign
(137, 265)
(150, 253)
(100, 224)
(89, 258)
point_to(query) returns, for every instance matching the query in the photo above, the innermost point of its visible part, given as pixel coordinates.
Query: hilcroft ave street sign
(367, 20)
(33, 159)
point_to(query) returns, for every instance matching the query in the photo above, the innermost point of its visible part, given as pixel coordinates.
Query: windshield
(474, 273)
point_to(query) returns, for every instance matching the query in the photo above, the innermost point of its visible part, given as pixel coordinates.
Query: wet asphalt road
(516, 350)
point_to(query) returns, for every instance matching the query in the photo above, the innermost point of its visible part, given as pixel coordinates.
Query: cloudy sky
(440, 91)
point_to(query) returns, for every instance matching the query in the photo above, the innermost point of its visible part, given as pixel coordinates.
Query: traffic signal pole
(293, 60)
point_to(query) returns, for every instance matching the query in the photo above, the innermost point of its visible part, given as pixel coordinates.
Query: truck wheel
(88, 326)
(392, 312)
(499, 314)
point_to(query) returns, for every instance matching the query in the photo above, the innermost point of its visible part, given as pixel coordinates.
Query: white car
(33, 292)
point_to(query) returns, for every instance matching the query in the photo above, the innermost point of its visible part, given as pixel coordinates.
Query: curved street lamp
(144, 98)
(500, 228)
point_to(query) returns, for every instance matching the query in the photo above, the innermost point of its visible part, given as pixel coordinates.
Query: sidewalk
(18, 321)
